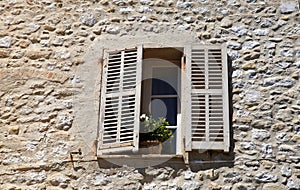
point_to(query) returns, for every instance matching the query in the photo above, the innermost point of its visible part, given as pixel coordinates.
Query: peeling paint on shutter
(120, 101)
(206, 88)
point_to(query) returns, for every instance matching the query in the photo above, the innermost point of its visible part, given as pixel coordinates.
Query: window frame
(182, 141)
(157, 64)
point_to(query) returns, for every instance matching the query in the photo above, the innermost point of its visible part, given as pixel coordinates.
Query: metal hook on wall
(71, 156)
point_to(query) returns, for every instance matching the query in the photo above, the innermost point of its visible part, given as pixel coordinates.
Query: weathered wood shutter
(206, 107)
(120, 101)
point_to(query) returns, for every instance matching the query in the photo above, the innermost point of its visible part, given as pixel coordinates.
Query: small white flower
(144, 117)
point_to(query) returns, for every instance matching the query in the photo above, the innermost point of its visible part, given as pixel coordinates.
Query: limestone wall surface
(50, 67)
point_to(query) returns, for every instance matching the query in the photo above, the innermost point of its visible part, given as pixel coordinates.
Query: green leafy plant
(154, 130)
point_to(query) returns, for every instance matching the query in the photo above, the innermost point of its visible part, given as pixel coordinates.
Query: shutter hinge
(100, 61)
(95, 146)
(183, 61)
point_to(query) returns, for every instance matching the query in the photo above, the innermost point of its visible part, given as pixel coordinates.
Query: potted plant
(153, 133)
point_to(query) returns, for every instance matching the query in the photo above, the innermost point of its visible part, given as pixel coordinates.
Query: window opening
(148, 81)
(161, 89)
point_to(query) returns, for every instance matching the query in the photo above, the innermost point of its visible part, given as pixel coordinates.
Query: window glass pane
(169, 146)
(165, 107)
(164, 81)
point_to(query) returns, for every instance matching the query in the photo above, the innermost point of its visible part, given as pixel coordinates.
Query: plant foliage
(155, 130)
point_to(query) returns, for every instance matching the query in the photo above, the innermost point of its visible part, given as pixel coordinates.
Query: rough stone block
(14, 130)
(5, 42)
(288, 7)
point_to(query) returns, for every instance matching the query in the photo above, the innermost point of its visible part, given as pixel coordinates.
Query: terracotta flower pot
(150, 147)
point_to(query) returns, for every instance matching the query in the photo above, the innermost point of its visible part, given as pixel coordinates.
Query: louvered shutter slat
(119, 123)
(207, 96)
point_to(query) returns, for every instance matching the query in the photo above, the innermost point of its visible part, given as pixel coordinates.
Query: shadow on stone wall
(174, 163)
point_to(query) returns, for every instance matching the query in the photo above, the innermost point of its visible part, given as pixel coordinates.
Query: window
(187, 85)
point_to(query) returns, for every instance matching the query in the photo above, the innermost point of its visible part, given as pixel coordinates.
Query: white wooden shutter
(120, 101)
(206, 112)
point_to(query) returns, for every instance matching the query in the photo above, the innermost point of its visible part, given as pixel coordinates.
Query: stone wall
(44, 43)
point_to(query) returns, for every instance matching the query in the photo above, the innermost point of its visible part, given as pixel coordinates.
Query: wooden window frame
(157, 64)
(183, 118)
